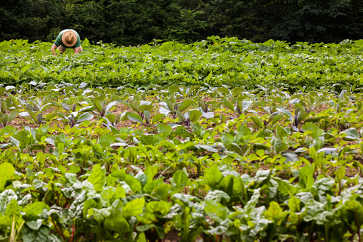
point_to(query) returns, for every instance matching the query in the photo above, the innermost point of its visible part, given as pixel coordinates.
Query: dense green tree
(140, 21)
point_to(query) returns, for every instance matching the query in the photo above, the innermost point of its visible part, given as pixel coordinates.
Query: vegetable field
(220, 140)
(211, 62)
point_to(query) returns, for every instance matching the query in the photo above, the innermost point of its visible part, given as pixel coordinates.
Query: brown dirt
(20, 123)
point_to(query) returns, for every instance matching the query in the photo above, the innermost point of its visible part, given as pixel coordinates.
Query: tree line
(130, 22)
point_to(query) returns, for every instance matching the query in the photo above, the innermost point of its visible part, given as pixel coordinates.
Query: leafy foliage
(80, 161)
(213, 63)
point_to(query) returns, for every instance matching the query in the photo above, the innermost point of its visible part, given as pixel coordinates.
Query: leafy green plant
(142, 111)
(7, 111)
(73, 117)
(101, 105)
(208, 63)
(35, 110)
(177, 109)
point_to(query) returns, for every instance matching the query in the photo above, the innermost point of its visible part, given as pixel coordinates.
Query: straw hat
(69, 38)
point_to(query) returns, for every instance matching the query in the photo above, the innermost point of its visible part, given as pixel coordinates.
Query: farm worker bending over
(67, 38)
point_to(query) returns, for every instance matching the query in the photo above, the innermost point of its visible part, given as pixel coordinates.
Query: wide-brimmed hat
(69, 38)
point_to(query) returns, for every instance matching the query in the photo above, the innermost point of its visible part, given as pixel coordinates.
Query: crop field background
(219, 140)
(211, 62)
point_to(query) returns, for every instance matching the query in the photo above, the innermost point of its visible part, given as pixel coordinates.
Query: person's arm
(53, 49)
(78, 50)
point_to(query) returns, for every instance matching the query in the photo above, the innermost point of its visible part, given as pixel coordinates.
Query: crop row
(183, 163)
(212, 62)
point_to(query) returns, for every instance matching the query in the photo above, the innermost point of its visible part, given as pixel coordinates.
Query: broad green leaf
(305, 197)
(7, 197)
(355, 207)
(212, 176)
(134, 184)
(134, 117)
(7, 172)
(162, 191)
(35, 210)
(35, 224)
(233, 186)
(12, 115)
(258, 122)
(85, 117)
(12, 208)
(43, 234)
(274, 117)
(251, 204)
(218, 196)
(117, 223)
(207, 148)
(313, 130)
(306, 176)
(134, 207)
(351, 134)
(87, 109)
(294, 204)
(275, 213)
(281, 132)
(328, 151)
(194, 115)
(227, 139)
(157, 118)
(228, 104)
(87, 205)
(285, 187)
(110, 105)
(99, 215)
(340, 173)
(215, 210)
(185, 198)
(180, 179)
(164, 129)
(159, 207)
(5, 222)
(146, 227)
(279, 145)
(24, 114)
(106, 140)
(262, 175)
(111, 194)
(141, 238)
(185, 105)
(150, 139)
(97, 177)
(163, 110)
(182, 132)
(291, 156)
(145, 106)
(98, 102)
(150, 172)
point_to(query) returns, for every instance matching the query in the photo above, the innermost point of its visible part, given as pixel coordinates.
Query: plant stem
(73, 232)
(13, 232)
(59, 231)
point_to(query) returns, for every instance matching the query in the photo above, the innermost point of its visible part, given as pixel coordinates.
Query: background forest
(129, 22)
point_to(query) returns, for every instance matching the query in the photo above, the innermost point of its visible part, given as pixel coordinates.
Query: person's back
(67, 38)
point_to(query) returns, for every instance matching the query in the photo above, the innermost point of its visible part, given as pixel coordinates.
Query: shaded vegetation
(138, 21)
